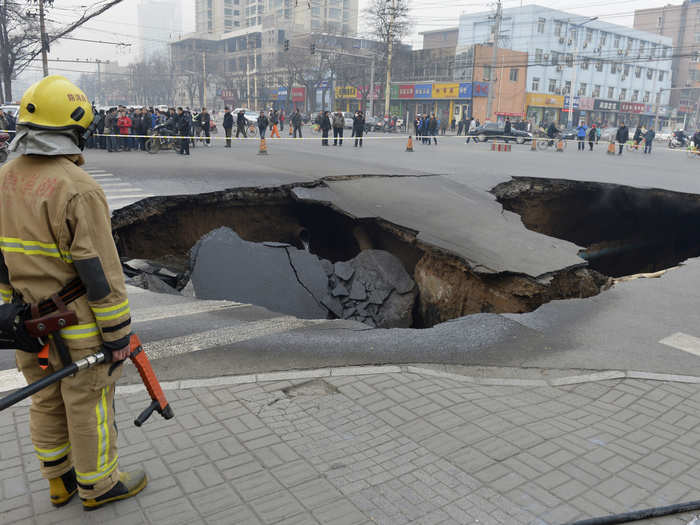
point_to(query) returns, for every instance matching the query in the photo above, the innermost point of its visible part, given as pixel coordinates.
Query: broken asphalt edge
(12, 379)
(158, 205)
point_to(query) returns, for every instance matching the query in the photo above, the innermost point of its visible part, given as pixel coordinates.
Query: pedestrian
(637, 138)
(358, 127)
(282, 119)
(228, 125)
(262, 124)
(463, 125)
(71, 422)
(124, 125)
(592, 137)
(205, 123)
(182, 126)
(274, 120)
(649, 140)
(241, 124)
(507, 128)
(296, 123)
(622, 136)
(453, 125)
(581, 136)
(471, 129)
(338, 126)
(598, 133)
(443, 126)
(325, 128)
(111, 130)
(432, 128)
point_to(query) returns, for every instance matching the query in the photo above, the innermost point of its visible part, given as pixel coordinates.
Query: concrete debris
(152, 283)
(344, 270)
(151, 276)
(284, 280)
(373, 288)
(140, 265)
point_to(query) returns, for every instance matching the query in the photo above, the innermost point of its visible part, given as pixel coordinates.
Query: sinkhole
(622, 230)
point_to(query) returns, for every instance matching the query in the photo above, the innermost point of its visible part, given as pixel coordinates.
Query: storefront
(543, 109)
(582, 108)
(605, 112)
(447, 100)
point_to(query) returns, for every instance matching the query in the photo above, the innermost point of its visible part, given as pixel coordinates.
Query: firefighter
(54, 228)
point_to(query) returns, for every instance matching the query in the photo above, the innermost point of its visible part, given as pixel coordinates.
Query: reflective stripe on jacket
(55, 226)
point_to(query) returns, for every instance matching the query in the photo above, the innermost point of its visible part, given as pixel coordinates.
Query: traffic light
(286, 45)
(313, 49)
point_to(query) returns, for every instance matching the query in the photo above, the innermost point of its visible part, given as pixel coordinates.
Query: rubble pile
(373, 288)
(150, 276)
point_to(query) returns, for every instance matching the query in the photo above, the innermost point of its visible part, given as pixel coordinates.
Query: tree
(389, 22)
(20, 36)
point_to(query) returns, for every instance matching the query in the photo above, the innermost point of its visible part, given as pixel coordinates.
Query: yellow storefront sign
(446, 91)
(346, 92)
(542, 100)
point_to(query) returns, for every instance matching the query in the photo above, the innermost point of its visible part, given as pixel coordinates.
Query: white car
(348, 119)
(250, 115)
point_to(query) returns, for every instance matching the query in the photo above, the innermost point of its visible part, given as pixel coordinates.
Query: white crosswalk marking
(684, 342)
(119, 193)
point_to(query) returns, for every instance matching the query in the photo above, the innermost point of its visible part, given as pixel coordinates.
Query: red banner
(406, 91)
(298, 94)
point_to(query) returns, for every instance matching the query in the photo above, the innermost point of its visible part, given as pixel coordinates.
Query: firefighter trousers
(72, 422)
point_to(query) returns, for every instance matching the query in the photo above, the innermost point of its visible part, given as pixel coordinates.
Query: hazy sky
(120, 24)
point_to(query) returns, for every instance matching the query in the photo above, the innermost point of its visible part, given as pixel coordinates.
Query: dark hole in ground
(164, 229)
(625, 230)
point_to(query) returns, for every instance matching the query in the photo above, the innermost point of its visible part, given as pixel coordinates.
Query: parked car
(494, 131)
(348, 119)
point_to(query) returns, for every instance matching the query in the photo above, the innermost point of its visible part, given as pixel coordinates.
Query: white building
(617, 73)
(160, 22)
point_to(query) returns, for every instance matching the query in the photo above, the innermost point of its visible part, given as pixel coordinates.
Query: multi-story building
(253, 50)
(682, 24)
(614, 73)
(160, 22)
(440, 38)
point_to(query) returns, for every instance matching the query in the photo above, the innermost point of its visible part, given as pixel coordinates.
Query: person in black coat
(241, 123)
(228, 125)
(432, 128)
(358, 127)
(262, 124)
(325, 128)
(592, 136)
(183, 129)
(622, 136)
(205, 122)
(507, 127)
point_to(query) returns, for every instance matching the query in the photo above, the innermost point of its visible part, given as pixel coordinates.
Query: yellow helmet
(55, 103)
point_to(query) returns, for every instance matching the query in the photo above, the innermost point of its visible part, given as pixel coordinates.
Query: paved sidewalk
(389, 448)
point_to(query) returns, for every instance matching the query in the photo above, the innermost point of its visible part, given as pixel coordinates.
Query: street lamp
(573, 79)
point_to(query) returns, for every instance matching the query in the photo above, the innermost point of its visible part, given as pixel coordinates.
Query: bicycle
(546, 143)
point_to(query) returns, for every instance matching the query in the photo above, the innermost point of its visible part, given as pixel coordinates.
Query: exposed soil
(165, 228)
(623, 230)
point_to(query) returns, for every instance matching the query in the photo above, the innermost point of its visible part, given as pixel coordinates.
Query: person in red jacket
(124, 125)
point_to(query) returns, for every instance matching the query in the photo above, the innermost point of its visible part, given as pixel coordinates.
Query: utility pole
(204, 79)
(494, 59)
(390, 52)
(44, 40)
(371, 89)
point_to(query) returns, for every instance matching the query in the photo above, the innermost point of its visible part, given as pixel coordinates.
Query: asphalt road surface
(644, 325)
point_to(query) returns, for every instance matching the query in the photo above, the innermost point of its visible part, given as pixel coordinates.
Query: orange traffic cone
(409, 146)
(263, 147)
(611, 148)
(560, 145)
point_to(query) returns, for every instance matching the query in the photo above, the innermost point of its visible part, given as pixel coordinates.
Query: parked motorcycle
(4, 144)
(678, 140)
(164, 139)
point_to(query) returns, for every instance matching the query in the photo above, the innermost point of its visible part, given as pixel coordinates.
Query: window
(599, 65)
(589, 35)
(535, 84)
(585, 63)
(623, 94)
(538, 56)
(513, 74)
(596, 91)
(617, 42)
(635, 95)
(638, 72)
(228, 24)
(665, 52)
(627, 70)
(642, 46)
(228, 11)
(336, 13)
(697, 37)
(567, 87)
(583, 89)
(569, 60)
(603, 38)
(650, 74)
(487, 73)
(540, 25)
(661, 76)
(658, 98)
(557, 28)
(646, 96)
(611, 92)
(555, 58)
(552, 85)
(574, 34)
(613, 67)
